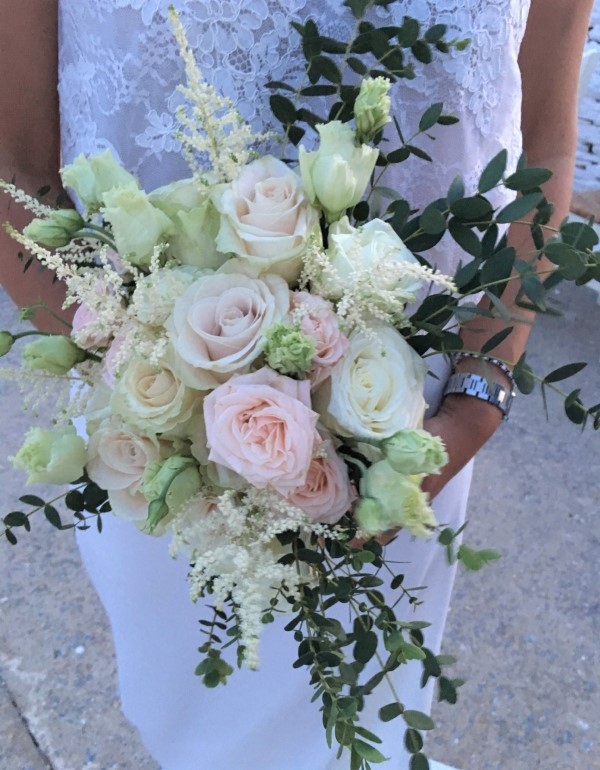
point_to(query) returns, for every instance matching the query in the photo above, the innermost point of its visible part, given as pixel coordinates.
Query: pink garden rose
(85, 331)
(319, 321)
(261, 426)
(111, 361)
(218, 325)
(327, 493)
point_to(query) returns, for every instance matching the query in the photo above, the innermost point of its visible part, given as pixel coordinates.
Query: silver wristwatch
(470, 384)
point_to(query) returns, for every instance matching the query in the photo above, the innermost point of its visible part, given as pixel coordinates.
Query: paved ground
(525, 630)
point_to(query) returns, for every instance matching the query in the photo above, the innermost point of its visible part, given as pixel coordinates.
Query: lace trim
(119, 69)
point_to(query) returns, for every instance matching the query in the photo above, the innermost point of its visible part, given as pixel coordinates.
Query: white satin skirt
(260, 720)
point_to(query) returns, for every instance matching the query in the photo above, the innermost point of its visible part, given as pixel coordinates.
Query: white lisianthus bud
(55, 231)
(52, 456)
(415, 451)
(6, 342)
(399, 501)
(372, 107)
(54, 353)
(136, 224)
(336, 176)
(168, 485)
(92, 176)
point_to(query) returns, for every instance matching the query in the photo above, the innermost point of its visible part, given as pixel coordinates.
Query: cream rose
(117, 459)
(151, 399)
(217, 326)
(261, 426)
(327, 493)
(265, 217)
(373, 250)
(376, 389)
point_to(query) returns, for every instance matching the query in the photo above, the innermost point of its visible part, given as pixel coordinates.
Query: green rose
(6, 342)
(137, 225)
(52, 456)
(92, 176)
(168, 485)
(414, 452)
(53, 353)
(372, 107)
(400, 502)
(336, 176)
(55, 231)
(288, 351)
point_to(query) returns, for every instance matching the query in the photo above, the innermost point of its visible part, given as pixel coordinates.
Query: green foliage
(86, 502)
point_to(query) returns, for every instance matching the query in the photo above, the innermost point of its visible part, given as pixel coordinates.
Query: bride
(117, 68)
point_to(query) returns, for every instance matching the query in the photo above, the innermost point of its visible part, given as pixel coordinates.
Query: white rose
(265, 217)
(117, 459)
(336, 176)
(371, 250)
(136, 224)
(218, 325)
(151, 399)
(376, 389)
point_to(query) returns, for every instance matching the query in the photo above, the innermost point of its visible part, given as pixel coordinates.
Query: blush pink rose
(319, 321)
(111, 361)
(218, 325)
(327, 493)
(261, 426)
(86, 331)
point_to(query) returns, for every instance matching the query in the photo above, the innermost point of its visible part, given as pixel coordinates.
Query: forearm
(464, 422)
(36, 286)
(29, 139)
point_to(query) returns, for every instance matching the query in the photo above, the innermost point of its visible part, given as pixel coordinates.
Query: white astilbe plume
(212, 127)
(366, 293)
(39, 388)
(29, 202)
(231, 544)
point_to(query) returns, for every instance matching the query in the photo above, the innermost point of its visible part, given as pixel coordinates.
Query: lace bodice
(119, 69)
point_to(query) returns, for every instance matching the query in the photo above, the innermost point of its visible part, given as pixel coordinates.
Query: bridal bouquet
(249, 356)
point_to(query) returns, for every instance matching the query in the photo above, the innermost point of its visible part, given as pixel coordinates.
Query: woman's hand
(464, 423)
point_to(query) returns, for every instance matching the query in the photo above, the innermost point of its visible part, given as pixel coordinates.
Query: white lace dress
(119, 69)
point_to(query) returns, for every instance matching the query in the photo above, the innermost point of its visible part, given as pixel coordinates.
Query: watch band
(471, 384)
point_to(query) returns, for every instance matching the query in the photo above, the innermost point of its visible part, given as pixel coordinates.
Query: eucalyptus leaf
(418, 720)
(528, 178)
(431, 116)
(564, 372)
(493, 172)
(519, 208)
(391, 711)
